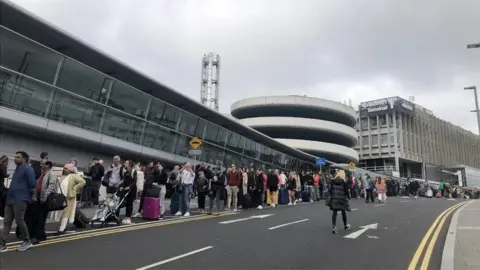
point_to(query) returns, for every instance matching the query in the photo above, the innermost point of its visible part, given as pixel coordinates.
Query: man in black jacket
(96, 173)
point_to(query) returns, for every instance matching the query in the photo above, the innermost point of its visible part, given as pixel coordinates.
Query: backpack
(36, 168)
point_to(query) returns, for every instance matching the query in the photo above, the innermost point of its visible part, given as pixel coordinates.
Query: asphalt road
(256, 243)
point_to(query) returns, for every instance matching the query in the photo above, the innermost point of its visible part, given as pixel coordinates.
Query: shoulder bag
(56, 201)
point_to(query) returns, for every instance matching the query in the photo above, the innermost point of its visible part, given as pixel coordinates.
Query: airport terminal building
(402, 138)
(62, 96)
(321, 127)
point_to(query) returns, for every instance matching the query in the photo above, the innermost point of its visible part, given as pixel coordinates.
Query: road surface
(293, 237)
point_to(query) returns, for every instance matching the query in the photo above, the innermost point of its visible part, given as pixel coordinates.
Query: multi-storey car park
(400, 137)
(317, 126)
(62, 96)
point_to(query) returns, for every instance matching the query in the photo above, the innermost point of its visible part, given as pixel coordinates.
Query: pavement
(51, 227)
(383, 236)
(462, 245)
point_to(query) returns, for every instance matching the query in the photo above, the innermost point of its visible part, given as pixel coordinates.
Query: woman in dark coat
(338, 190)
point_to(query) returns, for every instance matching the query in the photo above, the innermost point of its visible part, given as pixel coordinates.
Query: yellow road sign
(195, 143)
(351, 165)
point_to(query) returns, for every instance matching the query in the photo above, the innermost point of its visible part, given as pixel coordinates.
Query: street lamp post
(473, 46)
(477, 110)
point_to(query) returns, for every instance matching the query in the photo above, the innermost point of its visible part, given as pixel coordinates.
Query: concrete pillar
(395, 132)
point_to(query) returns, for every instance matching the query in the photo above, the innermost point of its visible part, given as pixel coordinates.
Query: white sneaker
(126, 221)
(137, 215)
(311, 200)
(187, 214)
(259, 207)
(235, 209)
(272, 205)
(178, 213)
(289, 203)
(294, 203)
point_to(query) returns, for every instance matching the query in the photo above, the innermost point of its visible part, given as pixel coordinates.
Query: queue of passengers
(226, 189)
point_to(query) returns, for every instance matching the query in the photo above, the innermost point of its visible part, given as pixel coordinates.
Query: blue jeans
(184, 203)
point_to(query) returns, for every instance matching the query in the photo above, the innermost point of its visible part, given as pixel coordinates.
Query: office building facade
(58, 93)
(398, 136)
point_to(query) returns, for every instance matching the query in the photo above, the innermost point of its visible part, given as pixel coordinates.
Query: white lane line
(381, 204)
(174, 258)
(288, 224)
(405, 201)
(354, 209)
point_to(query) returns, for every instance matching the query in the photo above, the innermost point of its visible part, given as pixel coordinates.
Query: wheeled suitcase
(306, 194)
(247, 202)
(283, 196)
(151, 208)
(175, 203)
(429, 193)
(80, 220)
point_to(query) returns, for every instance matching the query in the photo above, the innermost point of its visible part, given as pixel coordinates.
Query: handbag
(56, 201)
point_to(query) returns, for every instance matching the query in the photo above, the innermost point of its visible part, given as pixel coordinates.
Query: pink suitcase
(151, 208)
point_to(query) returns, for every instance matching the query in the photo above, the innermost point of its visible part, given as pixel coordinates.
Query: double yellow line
(107, 231)
(436, 231)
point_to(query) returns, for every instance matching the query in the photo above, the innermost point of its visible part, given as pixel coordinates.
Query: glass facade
(42, 82)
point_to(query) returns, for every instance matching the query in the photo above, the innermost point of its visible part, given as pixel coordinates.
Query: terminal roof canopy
(30, 26)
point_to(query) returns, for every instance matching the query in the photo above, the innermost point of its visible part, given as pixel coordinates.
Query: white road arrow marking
(363, 229)
(244, 219)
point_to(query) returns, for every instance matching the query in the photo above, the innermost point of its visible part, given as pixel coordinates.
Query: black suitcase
(247, 202)
(305, 196)
(81, 221)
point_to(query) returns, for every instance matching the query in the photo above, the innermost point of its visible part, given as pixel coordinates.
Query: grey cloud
(333, 49)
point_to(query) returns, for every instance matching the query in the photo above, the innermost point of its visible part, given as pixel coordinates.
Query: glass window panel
(266, 155)
(384, 138)
(170, 117)
(215, 134)
(191, 125)
(76, 111)
(183, 145)
(212, 154)
(373, 122)
(232, 158)
(364, 123)
(233, 142)
(128, 99)
(121, 126)
(83, 81)
(251, 149)
(157, 109)
(159, 138)
(365, 141)
(23, 94)
(279, 159)
(27, 57)
(374, 139)
(382, 120)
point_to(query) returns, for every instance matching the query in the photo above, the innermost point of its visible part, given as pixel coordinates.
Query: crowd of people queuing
(35, 190)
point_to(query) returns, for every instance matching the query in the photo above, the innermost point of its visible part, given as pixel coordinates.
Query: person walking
(18, 197)
(339, 195)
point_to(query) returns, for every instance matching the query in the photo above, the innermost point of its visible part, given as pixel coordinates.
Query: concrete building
(405, 139)
(317, 126)
(62, 96)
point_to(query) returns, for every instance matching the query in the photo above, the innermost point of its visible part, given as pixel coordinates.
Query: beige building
(404, 139)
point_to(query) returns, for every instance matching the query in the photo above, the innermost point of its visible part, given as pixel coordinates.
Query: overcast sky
(340, 50)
